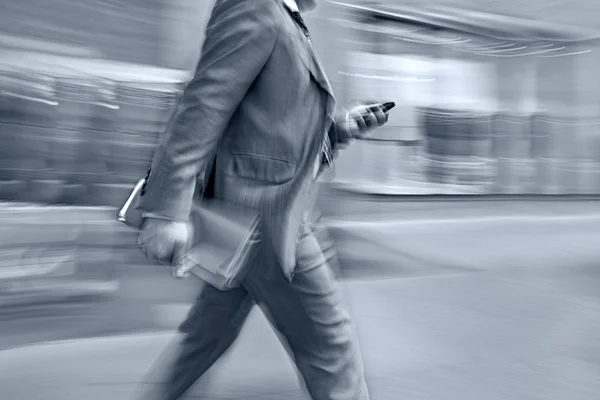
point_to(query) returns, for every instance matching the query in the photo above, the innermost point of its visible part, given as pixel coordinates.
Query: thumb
(178, 267)
(180, 249)
(183, 245)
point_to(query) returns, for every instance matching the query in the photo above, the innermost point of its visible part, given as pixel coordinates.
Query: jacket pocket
(261, 168)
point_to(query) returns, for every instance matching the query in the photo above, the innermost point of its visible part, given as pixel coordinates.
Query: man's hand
(363, 119)
(164, 241)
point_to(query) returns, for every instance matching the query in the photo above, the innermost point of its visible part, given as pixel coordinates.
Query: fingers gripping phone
(385, 107)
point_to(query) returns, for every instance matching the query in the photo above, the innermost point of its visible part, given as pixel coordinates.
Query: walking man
(260, 105)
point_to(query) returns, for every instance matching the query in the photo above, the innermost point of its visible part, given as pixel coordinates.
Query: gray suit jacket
(261, 103)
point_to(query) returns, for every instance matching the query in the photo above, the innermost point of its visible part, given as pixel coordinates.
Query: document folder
(224, 240)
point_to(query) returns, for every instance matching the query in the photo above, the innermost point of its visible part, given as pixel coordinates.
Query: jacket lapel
(307, 53)
(311, 60)
(315, 67)
(319, 75)
(318, 72)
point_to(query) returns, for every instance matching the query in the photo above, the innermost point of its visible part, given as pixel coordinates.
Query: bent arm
(240, 37)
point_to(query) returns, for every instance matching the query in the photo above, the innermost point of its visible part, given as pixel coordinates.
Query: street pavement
(469, 300)
(491, 334)
(374, 241)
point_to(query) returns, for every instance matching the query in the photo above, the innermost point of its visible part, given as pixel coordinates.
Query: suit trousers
(307, 312)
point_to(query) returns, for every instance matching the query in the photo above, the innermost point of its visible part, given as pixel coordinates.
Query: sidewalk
(480, 243)
(489, 335)
(373, 240)
(461, 303)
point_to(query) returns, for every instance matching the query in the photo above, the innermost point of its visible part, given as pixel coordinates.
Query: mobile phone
(384, 106)
(388, 106)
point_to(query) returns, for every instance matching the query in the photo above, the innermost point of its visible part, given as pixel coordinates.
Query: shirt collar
(291, 4)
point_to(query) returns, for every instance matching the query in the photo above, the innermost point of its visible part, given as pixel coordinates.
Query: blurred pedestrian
(260, 103)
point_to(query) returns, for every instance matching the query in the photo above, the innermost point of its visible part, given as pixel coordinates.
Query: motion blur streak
(465, 231)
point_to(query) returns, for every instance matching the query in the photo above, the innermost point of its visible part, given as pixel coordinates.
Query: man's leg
(210, 328)
(309, 314)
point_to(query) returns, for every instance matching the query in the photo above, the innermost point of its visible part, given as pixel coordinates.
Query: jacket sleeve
(338, 133)
(240, 37)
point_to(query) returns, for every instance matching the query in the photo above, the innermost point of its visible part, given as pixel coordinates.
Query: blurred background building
(487, 103)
